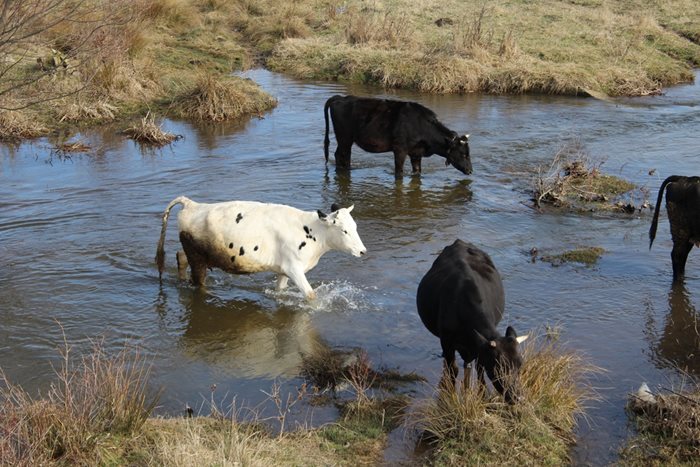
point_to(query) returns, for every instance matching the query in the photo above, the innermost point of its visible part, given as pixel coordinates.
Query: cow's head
(342, 231)
(458, 154)
(501, 359)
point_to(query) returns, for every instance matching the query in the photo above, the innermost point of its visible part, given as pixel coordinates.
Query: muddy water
(78, 237)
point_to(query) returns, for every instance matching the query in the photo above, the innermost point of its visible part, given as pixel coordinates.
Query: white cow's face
(343, 232)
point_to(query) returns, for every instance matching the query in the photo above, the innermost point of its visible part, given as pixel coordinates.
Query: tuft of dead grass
(466, 426)
(216, 99)
(94, 398)
(15, 126)
(81, 111)
(668, 427)
(574, 180)
(150, 133)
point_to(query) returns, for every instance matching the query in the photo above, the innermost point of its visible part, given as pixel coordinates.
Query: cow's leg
(467, 375)
(299, 278)
(198, 262)
(182, 264)
(679, 256)
(450, 366)
(282, 281)
(343, 153)
(399, 160)
(416, 164)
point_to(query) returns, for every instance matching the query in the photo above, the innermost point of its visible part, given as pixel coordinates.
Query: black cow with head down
(461, 300)
(683, 208)
(402, 127)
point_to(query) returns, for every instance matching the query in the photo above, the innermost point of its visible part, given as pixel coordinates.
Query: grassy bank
(99, 411)
(87, 62)
(596, 47)
(92, 61)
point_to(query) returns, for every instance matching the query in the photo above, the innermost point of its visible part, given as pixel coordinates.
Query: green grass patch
(588, 256)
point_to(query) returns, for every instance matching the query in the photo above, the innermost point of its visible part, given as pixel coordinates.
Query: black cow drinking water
(461, 300)
(683, 208)
(383, 125)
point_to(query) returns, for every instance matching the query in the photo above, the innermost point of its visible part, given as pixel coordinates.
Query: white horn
(522, 339)
(351, 208)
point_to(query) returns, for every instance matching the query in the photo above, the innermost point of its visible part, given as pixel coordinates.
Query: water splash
(333, 296)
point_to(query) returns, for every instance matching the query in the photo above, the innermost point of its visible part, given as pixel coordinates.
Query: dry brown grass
(94, 398)
(88, 110)
(574, 48)
(217, 99)
(15, 126)
(467, 427)
(574, 180)
(668, 427)
(150, 133)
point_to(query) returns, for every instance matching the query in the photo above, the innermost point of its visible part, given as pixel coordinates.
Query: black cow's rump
(683, 208)
(402, 127)
(461, 300)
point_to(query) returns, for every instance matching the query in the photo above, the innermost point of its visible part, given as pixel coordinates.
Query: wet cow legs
(197, 261)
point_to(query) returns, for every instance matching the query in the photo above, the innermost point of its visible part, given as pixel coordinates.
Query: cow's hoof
(311, 296)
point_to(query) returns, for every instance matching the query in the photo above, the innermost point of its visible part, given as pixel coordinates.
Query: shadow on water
(678, 343)
(242, 338)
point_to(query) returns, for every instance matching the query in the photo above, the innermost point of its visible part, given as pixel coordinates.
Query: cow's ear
(321, 215)
(510, 332)
(334, 207)
(464, 139)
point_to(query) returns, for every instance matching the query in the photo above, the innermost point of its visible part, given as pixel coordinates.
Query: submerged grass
(587, 256)
(467, 427)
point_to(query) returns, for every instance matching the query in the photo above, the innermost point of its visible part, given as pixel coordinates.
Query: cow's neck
(320, 231)
(440, 142)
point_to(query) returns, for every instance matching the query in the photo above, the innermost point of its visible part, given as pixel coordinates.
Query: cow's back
(240, 237)
(461, 291)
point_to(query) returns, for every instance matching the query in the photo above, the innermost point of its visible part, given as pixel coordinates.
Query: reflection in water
(241, 338)
(679, 343)
(399, 198)
(209, 135)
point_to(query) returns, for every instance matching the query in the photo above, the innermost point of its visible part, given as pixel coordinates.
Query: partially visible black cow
(383, 125)
(461, 300)
(683, 208)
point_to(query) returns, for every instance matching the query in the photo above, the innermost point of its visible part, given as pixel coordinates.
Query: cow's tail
(160, 252)
(326, 141)
(655, 220)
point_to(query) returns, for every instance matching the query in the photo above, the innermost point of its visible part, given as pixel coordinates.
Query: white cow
(243, 237)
